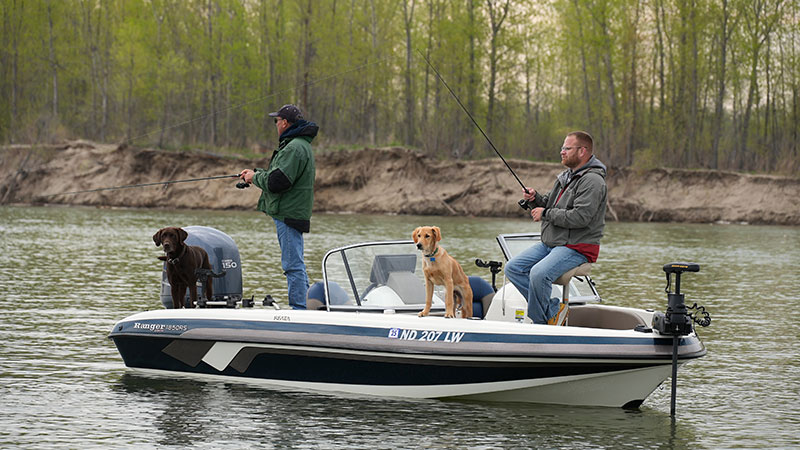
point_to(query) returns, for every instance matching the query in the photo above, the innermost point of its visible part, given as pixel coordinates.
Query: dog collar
(177, 259)
(431, 256)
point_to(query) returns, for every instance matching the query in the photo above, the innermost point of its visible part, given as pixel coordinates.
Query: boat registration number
(426, 335)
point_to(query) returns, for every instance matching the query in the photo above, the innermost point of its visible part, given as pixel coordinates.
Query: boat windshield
(381, 276)
(377, 276)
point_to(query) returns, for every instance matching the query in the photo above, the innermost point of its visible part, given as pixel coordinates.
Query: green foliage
(686, 83)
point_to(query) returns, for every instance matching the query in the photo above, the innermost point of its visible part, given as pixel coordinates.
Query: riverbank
(382, 181)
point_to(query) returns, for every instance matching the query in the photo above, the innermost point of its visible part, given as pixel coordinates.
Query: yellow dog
(442, 270)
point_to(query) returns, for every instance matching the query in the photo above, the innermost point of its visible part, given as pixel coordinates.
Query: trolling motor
(494, 267)
(677, 321)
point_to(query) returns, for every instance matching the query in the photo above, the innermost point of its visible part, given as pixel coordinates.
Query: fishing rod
(240, 185)
(157, 183)
(522, 203)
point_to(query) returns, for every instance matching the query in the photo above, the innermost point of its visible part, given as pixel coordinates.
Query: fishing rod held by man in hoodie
(573, 217)
(287, 194)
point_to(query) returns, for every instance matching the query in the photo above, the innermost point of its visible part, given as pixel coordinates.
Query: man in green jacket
(573, 217)
(287, 194)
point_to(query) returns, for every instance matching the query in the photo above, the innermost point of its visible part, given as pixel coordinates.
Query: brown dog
(441, 269)
(182, 264)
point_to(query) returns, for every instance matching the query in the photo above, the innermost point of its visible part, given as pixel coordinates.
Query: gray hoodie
(576, 216)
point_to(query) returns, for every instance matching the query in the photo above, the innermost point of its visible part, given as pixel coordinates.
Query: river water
(68, 274)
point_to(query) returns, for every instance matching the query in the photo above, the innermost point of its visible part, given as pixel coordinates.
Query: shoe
(560, 319)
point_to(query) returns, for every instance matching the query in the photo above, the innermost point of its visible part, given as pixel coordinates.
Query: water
(68, 274)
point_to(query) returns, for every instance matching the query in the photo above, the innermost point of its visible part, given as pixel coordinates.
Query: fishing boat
(361, 334)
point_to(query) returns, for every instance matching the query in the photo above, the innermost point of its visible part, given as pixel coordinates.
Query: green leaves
(692, 83)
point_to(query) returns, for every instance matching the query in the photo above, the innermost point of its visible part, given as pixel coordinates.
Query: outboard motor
(224, 258)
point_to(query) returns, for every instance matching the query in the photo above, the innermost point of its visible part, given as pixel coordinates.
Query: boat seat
(383, 265)
(410, 288)
(582, 270)
(315, 296)
(596, 316)
(482, 294)
(564, 279)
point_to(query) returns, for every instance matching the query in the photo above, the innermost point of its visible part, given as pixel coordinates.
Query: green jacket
(287, 185)
(576, 216)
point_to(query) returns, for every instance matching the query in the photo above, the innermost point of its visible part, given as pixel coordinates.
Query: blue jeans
(533, 271)
(292, 263)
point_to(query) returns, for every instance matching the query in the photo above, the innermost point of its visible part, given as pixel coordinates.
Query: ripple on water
(68, 274)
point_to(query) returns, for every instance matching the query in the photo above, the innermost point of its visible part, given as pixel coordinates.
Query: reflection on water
(296, 419)
(68, 274)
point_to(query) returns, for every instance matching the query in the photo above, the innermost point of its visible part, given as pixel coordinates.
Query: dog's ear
(437, 234)
(414, 235)
(182, 234)
(157, 237)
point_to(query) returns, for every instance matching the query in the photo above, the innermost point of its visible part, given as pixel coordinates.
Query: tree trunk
(587, 100)
(15, 32)
(426, 82)
(106, 71)
(496, 19)
(408, 18)
(53, 62)
(720, 98)
(751, 93)
(308, 54)
(472, 80)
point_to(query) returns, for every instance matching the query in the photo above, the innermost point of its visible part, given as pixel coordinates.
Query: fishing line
(259, 99)
(157, 183)
(474, 122)
(130, 140)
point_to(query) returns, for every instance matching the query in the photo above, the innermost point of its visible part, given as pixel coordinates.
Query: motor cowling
(223, 254)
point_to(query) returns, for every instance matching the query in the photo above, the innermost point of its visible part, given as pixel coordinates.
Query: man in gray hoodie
(573, 217)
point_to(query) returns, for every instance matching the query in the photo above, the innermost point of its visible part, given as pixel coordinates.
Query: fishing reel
(677, 321)
(525, 204)
(242, 185)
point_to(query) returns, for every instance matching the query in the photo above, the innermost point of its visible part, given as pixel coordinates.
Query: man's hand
(529, 193)
(247, 175)
(536, 213)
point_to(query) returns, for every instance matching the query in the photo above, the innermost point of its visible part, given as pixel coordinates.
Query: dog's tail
(205, 273)
(458, 296)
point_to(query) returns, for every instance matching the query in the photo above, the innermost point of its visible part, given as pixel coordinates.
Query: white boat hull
(404, 355)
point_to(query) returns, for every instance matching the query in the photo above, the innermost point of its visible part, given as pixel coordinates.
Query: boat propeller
(677, 320)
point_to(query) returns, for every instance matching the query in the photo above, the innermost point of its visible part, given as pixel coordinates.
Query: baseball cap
(289, 112)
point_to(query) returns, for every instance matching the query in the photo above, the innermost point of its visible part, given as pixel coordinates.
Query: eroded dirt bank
(386, 180)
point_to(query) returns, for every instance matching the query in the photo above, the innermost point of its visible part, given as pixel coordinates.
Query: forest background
(678, 83)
